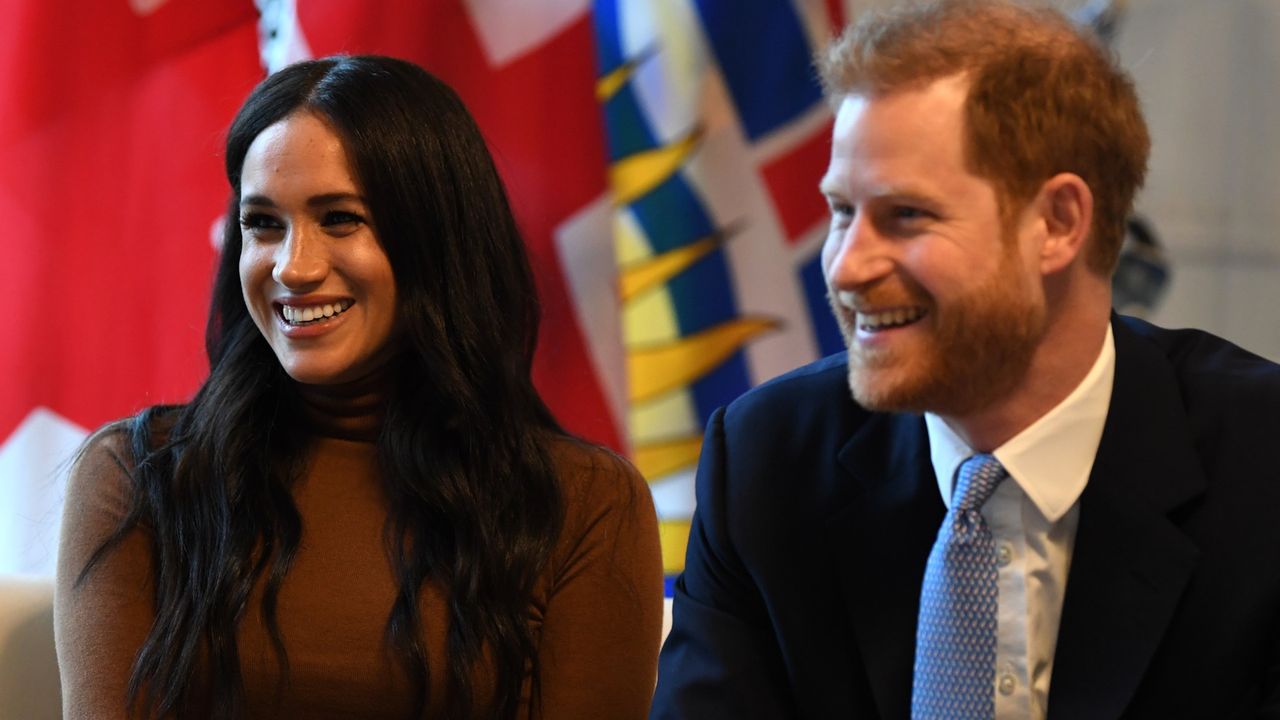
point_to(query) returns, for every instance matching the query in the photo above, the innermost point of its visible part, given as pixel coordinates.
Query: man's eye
(841, 212)
(907, 212)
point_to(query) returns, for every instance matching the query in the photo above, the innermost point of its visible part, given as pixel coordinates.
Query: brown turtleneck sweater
(597, 609)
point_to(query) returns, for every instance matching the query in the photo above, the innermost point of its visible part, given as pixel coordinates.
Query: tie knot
(976, 481)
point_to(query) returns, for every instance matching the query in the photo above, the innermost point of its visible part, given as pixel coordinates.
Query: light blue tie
(956, 632)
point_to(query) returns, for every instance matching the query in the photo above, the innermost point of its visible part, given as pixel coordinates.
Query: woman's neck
(348, 411)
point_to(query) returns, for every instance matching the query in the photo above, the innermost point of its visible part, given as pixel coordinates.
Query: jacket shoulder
(1229, 396)
(1212, 369)
(811, 398)
(777, 446)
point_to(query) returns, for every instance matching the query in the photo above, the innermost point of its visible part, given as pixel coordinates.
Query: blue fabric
(955, 664)
(765, 58)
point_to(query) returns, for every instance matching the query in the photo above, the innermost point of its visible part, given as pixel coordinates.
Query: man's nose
(861, 256)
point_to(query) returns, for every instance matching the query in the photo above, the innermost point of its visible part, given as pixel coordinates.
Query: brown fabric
(599, 603)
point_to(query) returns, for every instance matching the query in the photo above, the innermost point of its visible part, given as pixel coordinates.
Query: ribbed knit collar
(348, 411)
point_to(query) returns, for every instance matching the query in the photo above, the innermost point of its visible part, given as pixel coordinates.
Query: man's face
(940, 301)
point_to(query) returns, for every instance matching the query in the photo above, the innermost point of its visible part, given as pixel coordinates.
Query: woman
(366, 510)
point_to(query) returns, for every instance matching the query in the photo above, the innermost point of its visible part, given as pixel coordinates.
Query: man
(1029, 507)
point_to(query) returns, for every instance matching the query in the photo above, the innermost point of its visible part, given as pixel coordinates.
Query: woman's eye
(255, 222)
(341, 217)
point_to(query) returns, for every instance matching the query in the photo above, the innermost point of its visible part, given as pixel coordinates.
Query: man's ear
(1065, 204)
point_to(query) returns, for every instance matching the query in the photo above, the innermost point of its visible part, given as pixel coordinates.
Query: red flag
(112, 116)
(110, 179)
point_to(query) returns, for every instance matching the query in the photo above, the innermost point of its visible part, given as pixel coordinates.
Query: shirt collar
(1051, 458)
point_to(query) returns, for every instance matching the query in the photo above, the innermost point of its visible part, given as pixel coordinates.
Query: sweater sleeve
(603, 619)
(102, 619)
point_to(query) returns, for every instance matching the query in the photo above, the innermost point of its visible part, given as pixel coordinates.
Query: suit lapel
(885, 537)
(1130, 562)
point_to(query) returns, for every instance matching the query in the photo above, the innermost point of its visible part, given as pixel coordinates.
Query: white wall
(1208, 75)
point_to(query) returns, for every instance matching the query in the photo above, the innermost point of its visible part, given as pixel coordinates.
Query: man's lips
(888, 318)
(877, 312)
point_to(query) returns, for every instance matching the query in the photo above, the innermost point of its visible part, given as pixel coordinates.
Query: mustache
(854, 302)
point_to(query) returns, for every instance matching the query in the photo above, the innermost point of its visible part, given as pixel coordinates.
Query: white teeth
(298, 316)
(889, 318)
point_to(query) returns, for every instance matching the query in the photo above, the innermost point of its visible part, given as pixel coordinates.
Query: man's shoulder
(1228, 397)
(1211, 370)
(798, 419)
(815, 387)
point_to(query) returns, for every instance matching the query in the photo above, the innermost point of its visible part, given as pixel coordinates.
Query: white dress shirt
(1033, 516)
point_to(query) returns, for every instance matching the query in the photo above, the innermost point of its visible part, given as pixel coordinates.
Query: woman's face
(316, 280)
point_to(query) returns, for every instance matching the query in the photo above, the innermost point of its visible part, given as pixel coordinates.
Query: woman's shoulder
(105, 452)
(608, 551)
(584, 468)
(102, 469)
(115, 441)
(596, 482)
(99, 492)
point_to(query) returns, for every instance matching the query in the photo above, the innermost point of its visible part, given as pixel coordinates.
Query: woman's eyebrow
(313, 201)
(262, 200)
(331, 198)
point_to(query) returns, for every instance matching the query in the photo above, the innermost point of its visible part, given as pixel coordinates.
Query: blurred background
(662, 157)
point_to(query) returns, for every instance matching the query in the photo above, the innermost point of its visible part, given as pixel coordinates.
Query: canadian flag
(111, 119)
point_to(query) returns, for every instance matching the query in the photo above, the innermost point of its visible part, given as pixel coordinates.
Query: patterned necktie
(956, 633)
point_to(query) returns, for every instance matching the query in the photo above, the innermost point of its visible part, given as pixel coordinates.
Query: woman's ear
(1065, 204)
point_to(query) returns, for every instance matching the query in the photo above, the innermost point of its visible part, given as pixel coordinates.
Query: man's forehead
(953, 89)
(848, 111)
(927, 116)
(908, 146)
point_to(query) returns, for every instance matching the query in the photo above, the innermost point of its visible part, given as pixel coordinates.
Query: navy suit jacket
(815, 519)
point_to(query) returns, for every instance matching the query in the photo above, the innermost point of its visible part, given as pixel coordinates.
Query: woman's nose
(301, 261)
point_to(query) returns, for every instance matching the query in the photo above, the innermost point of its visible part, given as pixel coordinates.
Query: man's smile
(874, 321)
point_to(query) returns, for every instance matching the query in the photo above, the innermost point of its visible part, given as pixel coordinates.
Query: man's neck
(1069, 349)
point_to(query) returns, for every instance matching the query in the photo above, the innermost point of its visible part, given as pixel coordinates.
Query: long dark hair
(474, 502)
